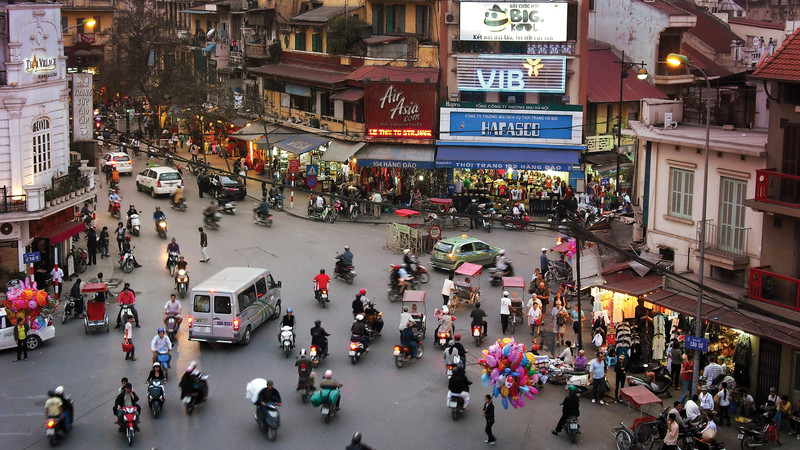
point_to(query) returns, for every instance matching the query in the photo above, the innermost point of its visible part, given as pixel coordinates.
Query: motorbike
(353, 211)
(161, 228)
(269, 422)
(583, 384)
(126, 311)
(357, 350)
(512, 222)
(172, 326)
(276, 201)
(323, 214)
(402, 354)
(69, 310)
(347, 273)
(172, 261)
(314, 355)
(259, 219)
(115, 209)
(418, 271)
(212, 222)
(304, 389)
(200, 394)
(573, 428)
(443, 338)
(762, 434)
(180, 206)
(477, 332)
(155, 396)
(286, 340)
(55, 429)
(329, 410)
(126, 261)
(226, 206)
(449, 371)
(485, 220)
(81, 259)
(456, 405)
(164, 358)
(129, 416)
(496, 275)
(322, 296)
(182, 282)
(659, 383)
(134, 225)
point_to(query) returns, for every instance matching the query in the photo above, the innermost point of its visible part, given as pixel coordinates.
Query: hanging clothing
(741, 357)
(659, 339)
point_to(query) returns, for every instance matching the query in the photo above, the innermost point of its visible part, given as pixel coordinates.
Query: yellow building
(84, 45)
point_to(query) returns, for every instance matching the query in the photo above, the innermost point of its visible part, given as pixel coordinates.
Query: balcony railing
(11, 203)
(256, 50)
(773, 288)
(65, 185)
(777, 188)
(725, 239)
(235, 59)
(600, 143)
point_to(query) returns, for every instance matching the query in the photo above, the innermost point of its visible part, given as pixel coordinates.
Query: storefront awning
(64, 232)
(747, 321)
(397, 156)
(504, 157)
(250, 133)
(349, 95)
(341, 151)
(301, 143)
(632, 284)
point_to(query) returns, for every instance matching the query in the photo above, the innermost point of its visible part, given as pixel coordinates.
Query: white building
(38, 191)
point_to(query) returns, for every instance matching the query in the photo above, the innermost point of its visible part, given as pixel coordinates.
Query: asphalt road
(394, 408)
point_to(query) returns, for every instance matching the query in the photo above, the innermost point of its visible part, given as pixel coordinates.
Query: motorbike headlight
(181, 272)
(273, 413)
(162, 224)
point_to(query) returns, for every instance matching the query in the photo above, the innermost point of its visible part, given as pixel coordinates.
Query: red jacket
(126, 298)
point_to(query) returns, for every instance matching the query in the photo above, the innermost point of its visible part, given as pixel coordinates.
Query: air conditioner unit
(9, 230)
(451, 19)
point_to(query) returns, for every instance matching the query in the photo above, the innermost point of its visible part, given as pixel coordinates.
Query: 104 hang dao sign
(399, 111)
(507, 21)
(511, 123)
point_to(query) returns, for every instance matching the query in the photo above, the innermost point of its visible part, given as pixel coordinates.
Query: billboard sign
(512, 73)
(82, 107)
(399, 111)
(517, 22)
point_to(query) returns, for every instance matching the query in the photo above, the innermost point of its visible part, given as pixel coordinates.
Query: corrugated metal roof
(710, 30)
(394, 74)
(784, 65)
(604, 83)
(303, 75)
(323, 14)
(757, 23)
(629, 282)
(711, 68)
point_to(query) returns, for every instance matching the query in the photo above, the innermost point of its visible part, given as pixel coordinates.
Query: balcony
(236, 59)
(10, 202)
(39, 201)
(256, 51)
(391, 47)
(726, 245)
(776, 193)
(194, 40)
(775, 289)
(667, 74)
(600, 143)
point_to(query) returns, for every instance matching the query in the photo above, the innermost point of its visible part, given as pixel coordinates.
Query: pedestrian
(447, 290)
(676, 355)
(687, 372)
(724, 399)
(91, 246)
(543, 294)
(544, 263)
(505, 311)
(488, 414)
(104, 241)
(21, 330)
(621, 372)
(129, 339)
(671, 439)
(203, 245)
(534, 318)
(193, 150)
(58, 278)
(706, 400)
(120, 232)
(577, 325)
(598, 370)
(376, 210)
(559, 314)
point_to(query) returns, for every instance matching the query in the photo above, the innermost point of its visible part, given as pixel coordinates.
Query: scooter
(418, 271)
(584, 385)
(226, 206)
(161, 229)
(477, 333)
(762, 434)
(286, 340)
(573, 428)
(353, 211)
(449, 371)
(164, 358)
(180, 206)
(212, 222)
(276, 201)
(496, 275)
(346, 273)
(485, 220)
(322, 296)
(456, 405)
(155, 396)
(126, 312)
(134, 225)
(329, 409)
(55, 429)
(659, 383)
(69, 310)
(200, 394)
(270, 421)
(172, 261)
(129, 416)
(326, 213)
(126, 261)
(357, 350)
(115, 209)
(81, 259)
(172, 326)
(443, 338)
(314, 355)
(258, 219)
(182, 282)
(402, 354)
(304, 388)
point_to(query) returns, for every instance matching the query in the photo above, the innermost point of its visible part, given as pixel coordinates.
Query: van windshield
(202, 303)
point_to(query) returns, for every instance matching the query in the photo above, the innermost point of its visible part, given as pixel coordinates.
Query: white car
(159, 180)
(119, 160)
(35, 337)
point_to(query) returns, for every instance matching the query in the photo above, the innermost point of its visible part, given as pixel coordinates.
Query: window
(197, 28)
(316, 42)
(96, 28)
(300, 41)
(64, 23)
(80, 26)
(377, 19)
(396, 18)
(326, 104)
(41, 145)
(732, 234)
(247, 297)
(261, 287)
(271, 282)
(302, 103)
(354, 112)
(222, 305)
(481, 247)
(466, 248)
(512, 97)
(423, 21)
(476, 97)
(202, 303)
(681, 188)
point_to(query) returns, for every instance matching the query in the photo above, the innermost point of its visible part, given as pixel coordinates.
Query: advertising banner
(396, 112)
(512, 73)
(521, 22)
(82, 107)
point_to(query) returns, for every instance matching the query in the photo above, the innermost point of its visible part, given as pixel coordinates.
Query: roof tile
(604, 82)
(784, 65)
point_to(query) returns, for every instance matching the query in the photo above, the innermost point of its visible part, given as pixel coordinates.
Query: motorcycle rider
(287, 321)
(358, 303)
(177, 196)
(359, 332)
(478, 318)
(86, 213)
(210, 213)
(160, 342)
(502, 262)
(570, 407)
(320, 203)
(462, 352)
(355, 443)
(403, 279)
(126, 398)
(180, 265)
(126, 248)
(172, 247)
(319, 338)
(126, 297)
(75, 293)
(373, 321)
(263, 210)
(113, 197)
(54, 407)
(66, 406)
(451, 356)
(458, 386)
(156, 373)
(409, 261)
(344, 260)
(304, 371)
(173, 307)
(268, 395)
(321, 282)
(405, 317)
(131, 211)
(158, 215)
(445, 322)
(329, 383)
(408, 338)
(190, 382)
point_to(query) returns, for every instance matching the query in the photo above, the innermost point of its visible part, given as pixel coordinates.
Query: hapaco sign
(506, 21)
(511, 123)
(396, 112)
(512, 73)
(82, 107)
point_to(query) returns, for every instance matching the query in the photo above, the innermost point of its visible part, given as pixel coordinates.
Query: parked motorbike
(55, 429)
(161, 229)
(276, 201)
(496, 275)
(325, 214)
(659, 383)
(155, 396)
(172, 261)
(270, 421)
(172, 326)
(126, 261)
(259, 219)
(129, 416)
(357, 350)
(402, 354)
(180, 206)
(81, 258)
(227, 206)
(322, 296)
(69, 310)
(182, 282)
(456, 405)
(583, 384)
(134, 225)
(485, 220)
(115, 209)
(200, 394)
(762, 434)
(286, 340)
(353, 211)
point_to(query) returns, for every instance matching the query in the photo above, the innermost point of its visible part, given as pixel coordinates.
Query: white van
(231, 304)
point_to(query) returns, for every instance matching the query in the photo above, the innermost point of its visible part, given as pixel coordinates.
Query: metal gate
(769, 365)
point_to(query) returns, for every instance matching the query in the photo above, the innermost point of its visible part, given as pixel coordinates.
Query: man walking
(91, 246)
(203, 245)
(544, 263)
(447, 290)
(104, 241)
(488, 414)
(598, 370)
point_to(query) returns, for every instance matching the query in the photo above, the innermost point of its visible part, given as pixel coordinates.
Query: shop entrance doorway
(769, 364)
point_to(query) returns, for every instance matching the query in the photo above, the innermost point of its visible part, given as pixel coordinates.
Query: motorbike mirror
(278, 284)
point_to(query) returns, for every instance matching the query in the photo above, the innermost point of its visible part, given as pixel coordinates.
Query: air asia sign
(512, 73)
(399, 111)
(559, 124)
(522, 22)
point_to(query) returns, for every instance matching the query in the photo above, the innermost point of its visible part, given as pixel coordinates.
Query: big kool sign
(399, 111)
(521, 22)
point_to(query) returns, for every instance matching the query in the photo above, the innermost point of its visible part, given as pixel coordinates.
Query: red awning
(348, 95)
(513, 282)
(629, 282)
(303, 75)
(64, 232)
(603, 85)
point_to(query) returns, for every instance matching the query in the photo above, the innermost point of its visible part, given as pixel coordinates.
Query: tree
(344, 36)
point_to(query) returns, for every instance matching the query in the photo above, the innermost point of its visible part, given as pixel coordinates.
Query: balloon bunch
(26, 302)
(509, 369)
(572, 248)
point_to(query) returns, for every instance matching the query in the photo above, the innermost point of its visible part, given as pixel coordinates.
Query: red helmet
(458, 337)
(127, 238)
(362, 292)
(535, 347)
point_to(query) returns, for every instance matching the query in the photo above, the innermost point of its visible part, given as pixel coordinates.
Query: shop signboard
(398, 112)
(496, 123)
(506, 21)
(36, 32)
(82, 108)
(294, 165)
(511, 73)
(696, 343)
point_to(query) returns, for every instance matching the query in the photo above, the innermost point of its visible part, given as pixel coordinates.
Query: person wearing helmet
(156, 373)
(544, 262)
(372, 317)
(451, 356)
(268, 395)
(319, 338)
(478, 317)
(54, 407)
(356, 444)
(445, 322)
(287, 321)
(462, 352)
(113, 197)
(66, 406)
(570, 407)
(126, 297)
(131, 211)
(126, 248)
(505, 310)
(502, 262)
(329, 382)
(193, 382)
(160, 342)
(305, 374)
(358, 303)
(321, 282)
(458, 386)
(344, 259)
(359, 332)
(408, 260)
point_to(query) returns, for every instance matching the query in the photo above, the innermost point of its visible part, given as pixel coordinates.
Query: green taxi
(450, 253)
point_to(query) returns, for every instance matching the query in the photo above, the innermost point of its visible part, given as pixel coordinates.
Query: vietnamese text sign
(696, 343)
(82, 107)
(522, 22)
(400, 111)
(32, 257)
(513, 127)
(512, 73)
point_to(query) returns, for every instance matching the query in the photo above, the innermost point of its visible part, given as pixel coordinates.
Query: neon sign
(399, 133)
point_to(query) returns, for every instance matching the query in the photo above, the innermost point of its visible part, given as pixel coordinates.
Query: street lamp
(641, 74)
(677, 60)
(86, 22)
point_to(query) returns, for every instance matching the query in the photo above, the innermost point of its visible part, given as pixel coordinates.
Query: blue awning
(560, 160)
(396, 156)
(301, 143)
(209, 47)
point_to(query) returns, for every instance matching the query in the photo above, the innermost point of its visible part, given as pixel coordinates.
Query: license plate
(476, 333)
(352, 353)
(396, 352)
(741, 436)
(573, 426)
(324, 410)
(453, 404)
(201, 329)
(51, 431)
(442, 341)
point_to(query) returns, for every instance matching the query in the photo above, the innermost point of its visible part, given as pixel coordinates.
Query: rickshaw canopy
(406, 212)
(441, 201)
(469, 269)
(513, 282)
(639, 396)
(561, 248)
(87, 288)
(414, 296)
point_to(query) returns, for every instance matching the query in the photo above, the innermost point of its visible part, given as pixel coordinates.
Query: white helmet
(156, 364)
(502, 251)
(191, 366)
(445, 310)
(406, 251)
(303, 353)
(328, 373)
(59, 390)
(505, 294)
(544, 249)
(360, 317)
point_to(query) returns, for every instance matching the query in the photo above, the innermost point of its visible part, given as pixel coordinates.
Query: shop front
(307, 149)
(396, 170)
(339, 160)
(52, 238)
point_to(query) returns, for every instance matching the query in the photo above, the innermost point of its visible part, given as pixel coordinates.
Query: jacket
(570, 406)
(407, 336)
(458, 384)
(488, 411)
(121, 399)
(16, 331)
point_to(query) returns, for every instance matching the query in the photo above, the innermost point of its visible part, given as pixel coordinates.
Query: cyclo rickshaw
(415, 300)
(644, 431)
(468, 288)
(511, 285)
(94, 296)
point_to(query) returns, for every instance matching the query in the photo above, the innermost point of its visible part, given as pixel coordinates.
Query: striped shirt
(711, 372)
